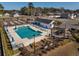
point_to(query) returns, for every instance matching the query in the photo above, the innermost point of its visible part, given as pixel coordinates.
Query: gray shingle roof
(47, 21)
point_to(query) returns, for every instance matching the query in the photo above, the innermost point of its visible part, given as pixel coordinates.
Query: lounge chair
(40, 54)
(31, 45)
(42, 41)
(52, 47)
(56, 45)
(51, 44)
(21, 21)
(25, 52)
(48, 48)
(17, 22)
(11, 23)
(44, 51)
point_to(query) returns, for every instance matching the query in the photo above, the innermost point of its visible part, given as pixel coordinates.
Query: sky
(18, 5)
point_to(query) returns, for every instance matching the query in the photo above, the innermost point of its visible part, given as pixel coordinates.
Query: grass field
(7, 51)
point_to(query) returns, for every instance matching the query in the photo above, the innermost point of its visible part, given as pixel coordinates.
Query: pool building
(45, 23)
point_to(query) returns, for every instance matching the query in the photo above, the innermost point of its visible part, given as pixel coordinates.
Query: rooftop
(47, 21)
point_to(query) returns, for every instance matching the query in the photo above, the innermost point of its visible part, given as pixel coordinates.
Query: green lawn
(7, 51)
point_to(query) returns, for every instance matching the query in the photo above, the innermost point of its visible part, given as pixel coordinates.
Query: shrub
(57, 22)
(76, 37)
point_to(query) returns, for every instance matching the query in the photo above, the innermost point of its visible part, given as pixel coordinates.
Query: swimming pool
(27, 32)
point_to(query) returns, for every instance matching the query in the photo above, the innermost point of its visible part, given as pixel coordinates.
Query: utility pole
(34, 45)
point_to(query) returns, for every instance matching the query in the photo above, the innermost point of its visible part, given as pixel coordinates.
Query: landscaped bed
(75, 34)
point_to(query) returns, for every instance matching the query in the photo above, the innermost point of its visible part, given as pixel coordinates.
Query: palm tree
(30, 8)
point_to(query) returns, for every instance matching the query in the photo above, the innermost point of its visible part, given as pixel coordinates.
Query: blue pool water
(27, 32)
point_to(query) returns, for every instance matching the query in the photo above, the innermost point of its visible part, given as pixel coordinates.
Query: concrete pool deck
(26, 41)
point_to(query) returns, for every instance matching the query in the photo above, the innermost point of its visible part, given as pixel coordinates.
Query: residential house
(6, 14)
(16, 15)
(54, 15)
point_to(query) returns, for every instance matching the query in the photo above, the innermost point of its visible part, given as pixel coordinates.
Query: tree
(57, 22)
(1, 7)
(77, 10)
(24, 11)
(30, 8)
(45, 10)
(38, 11)
(30, 5)
(1, 10)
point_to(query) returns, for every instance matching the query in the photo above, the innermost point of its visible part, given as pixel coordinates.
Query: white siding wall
(45, 25)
